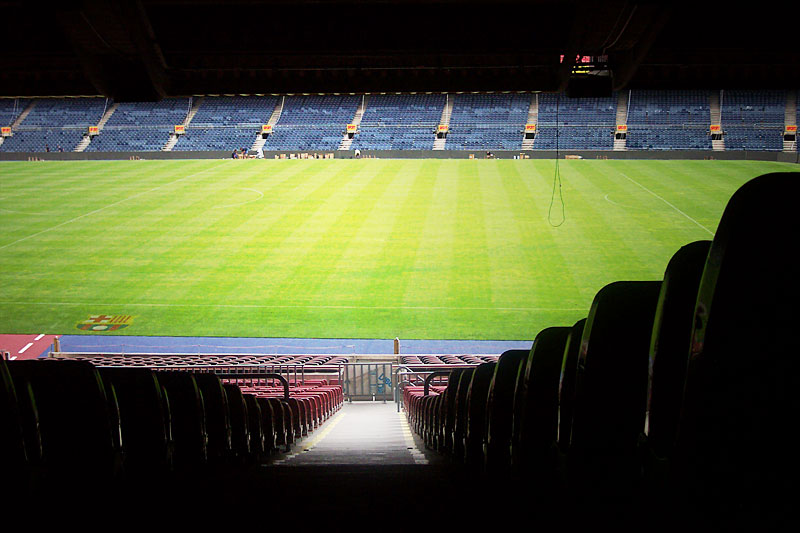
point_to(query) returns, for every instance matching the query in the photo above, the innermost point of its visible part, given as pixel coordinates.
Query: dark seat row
(671, 397)
(68, 425)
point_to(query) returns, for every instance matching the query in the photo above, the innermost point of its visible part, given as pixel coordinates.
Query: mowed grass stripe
(542, 276)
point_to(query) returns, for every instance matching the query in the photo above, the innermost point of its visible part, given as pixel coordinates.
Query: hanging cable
(557, 179)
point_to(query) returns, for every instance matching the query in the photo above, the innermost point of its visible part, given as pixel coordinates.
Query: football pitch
(416, 249)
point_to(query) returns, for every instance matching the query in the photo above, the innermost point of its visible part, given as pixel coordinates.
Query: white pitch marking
(255, 306)
(666, 202)
(26, 347)
(609, 200)
(39, 337)
(107, 206)
(242, 203)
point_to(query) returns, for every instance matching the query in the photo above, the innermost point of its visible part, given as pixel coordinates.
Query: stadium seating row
(666, 401)
(72, 427)
(657, 120)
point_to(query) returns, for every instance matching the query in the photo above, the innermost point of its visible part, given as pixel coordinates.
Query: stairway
(347, 141)
(718, 145)
(533, 118)
(444, 120)
(623, 101)
(194, 107)
(259, 141)
(790, 119)
(87, 139)
(196, 103)
(25, 113)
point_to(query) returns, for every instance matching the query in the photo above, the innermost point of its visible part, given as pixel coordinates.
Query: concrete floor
(361, 433)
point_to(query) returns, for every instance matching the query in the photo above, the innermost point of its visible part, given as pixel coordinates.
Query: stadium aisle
(362, 433)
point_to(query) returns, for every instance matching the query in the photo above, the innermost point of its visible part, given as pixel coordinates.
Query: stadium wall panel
(735, 155)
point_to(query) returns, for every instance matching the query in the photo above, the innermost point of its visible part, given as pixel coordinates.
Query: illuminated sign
(716, 128)
(622, 127)
(94, 130)
(352, 128)
(5, 131)
(530, 128)
(266, 128)
(791, 129)
(442, 128)
(180, 129)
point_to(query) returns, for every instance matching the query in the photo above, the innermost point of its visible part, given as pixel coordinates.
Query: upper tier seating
(753, 120)
(168, 112)
(10, 109)
(487, 121)
(216, 111)
(399, 122)
(66, 112)
(575, 123)
(669, 120)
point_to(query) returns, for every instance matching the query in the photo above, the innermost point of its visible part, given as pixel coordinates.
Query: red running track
(25, 346)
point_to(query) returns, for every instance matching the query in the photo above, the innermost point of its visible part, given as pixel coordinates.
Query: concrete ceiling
(149, 49)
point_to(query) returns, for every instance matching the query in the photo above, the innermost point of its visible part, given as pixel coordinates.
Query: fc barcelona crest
(105, 322)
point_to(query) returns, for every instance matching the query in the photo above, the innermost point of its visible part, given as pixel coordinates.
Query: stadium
(400, 263)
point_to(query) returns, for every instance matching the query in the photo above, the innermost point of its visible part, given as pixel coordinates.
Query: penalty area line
(668, 203)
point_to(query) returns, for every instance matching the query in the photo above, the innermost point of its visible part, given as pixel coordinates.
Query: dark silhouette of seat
(566, 392)
(217, 411)
(734, 449)
(79, 434)
(268, 426)
(611, 392)
(14, 460)
(535, 412)
(144, 424)
(187, 416)
(460, 419)
(255, 429)
(449, 411)
(669, 353)
(500, 411)
(477, 396)
(240, 435)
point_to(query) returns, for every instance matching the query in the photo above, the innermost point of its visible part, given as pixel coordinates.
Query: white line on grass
(261, 195)
(107, 206)
(258, 306)
(666, 202)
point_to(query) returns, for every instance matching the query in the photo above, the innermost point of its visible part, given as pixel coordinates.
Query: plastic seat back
(535, 422)
(743, 372)
(611, 387)
(500, 410)
(477, 396)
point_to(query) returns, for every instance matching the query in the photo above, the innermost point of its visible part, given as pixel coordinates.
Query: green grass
(427, 249)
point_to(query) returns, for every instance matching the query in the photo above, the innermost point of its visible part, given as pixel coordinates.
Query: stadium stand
(310, 123)
(656, 120)
(10, 109)
(753, 120)
(577, 124)
(140, 126)
(52, 125)
(487, 121)
(669, 120)
(399, 122)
